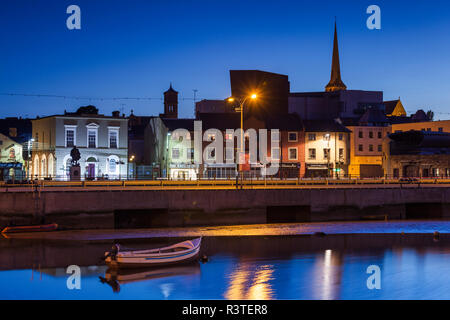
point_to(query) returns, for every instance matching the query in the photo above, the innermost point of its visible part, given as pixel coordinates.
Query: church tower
(170, 103)
(335, 83)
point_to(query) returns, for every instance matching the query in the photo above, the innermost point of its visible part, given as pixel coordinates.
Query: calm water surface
(413, 266)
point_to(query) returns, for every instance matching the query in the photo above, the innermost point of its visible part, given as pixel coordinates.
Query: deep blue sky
(135, 48)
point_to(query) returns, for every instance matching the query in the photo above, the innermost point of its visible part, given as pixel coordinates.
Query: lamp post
(241, 102)
(130, 164)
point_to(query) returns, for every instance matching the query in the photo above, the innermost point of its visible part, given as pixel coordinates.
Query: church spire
(335, 83)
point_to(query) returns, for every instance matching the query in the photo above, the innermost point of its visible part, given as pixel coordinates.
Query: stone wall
(155, 208)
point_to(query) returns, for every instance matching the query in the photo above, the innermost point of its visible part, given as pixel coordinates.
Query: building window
(113, 138)
(370, 134)
(379, 135)
(112, 165)
(312, 137)
(70, 138)
(292, 137)
(326, 137)
(341, 136)
(292, 153)
(380, 148)
(275, 154)
(229, 153)
(370, 147)
(175, 153)
(360, 147)
(396, 173)
(441, 129)
(275, 136)
(326, 153)
(190, 154)
(341, 153)
(360, 134)
(312, 154)
(92, 138)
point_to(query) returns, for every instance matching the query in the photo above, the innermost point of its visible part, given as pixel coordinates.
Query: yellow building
(437, 126)
(366, 144)
(366, 151)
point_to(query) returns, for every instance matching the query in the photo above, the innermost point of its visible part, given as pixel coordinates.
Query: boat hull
(24, 229)
(154, 259)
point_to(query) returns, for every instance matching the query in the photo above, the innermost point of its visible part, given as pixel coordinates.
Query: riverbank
(282, 229)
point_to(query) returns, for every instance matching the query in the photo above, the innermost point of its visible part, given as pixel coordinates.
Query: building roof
(173, 124)
(171, 89)
(373, 116)
(221, 121)
(82, 115)
(324, 126)
(390, 105)
(288, 122)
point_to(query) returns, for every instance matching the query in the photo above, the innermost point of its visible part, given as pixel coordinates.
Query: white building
(326, 149)
(101, 140)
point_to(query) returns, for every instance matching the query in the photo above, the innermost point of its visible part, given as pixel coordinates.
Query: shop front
(318, 170)
(12, 172)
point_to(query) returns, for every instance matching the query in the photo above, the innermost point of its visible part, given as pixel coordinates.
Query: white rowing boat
(178, 253)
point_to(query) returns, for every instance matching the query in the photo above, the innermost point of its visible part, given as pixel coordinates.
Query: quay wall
(161, 208)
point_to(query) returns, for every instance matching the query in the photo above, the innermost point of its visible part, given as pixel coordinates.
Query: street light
(241, 101)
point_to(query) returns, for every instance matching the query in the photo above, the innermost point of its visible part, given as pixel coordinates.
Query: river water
(332, 266)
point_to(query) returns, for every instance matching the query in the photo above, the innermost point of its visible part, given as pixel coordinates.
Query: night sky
(136, 48)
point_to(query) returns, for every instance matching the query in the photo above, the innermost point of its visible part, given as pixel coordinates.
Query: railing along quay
(39, 184)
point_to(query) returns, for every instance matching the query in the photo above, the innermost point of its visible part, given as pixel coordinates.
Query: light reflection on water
(252, 268)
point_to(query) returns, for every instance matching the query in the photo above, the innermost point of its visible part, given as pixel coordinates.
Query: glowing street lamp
(241, 102)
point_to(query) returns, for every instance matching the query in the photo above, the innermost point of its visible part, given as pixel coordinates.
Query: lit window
(229, 154)
(190, 153)
(113, 139)
(275, 154)
(92, 138)
(112, 165)
(70, 138)
(326, 154)
(292, 153)
(175, 153)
